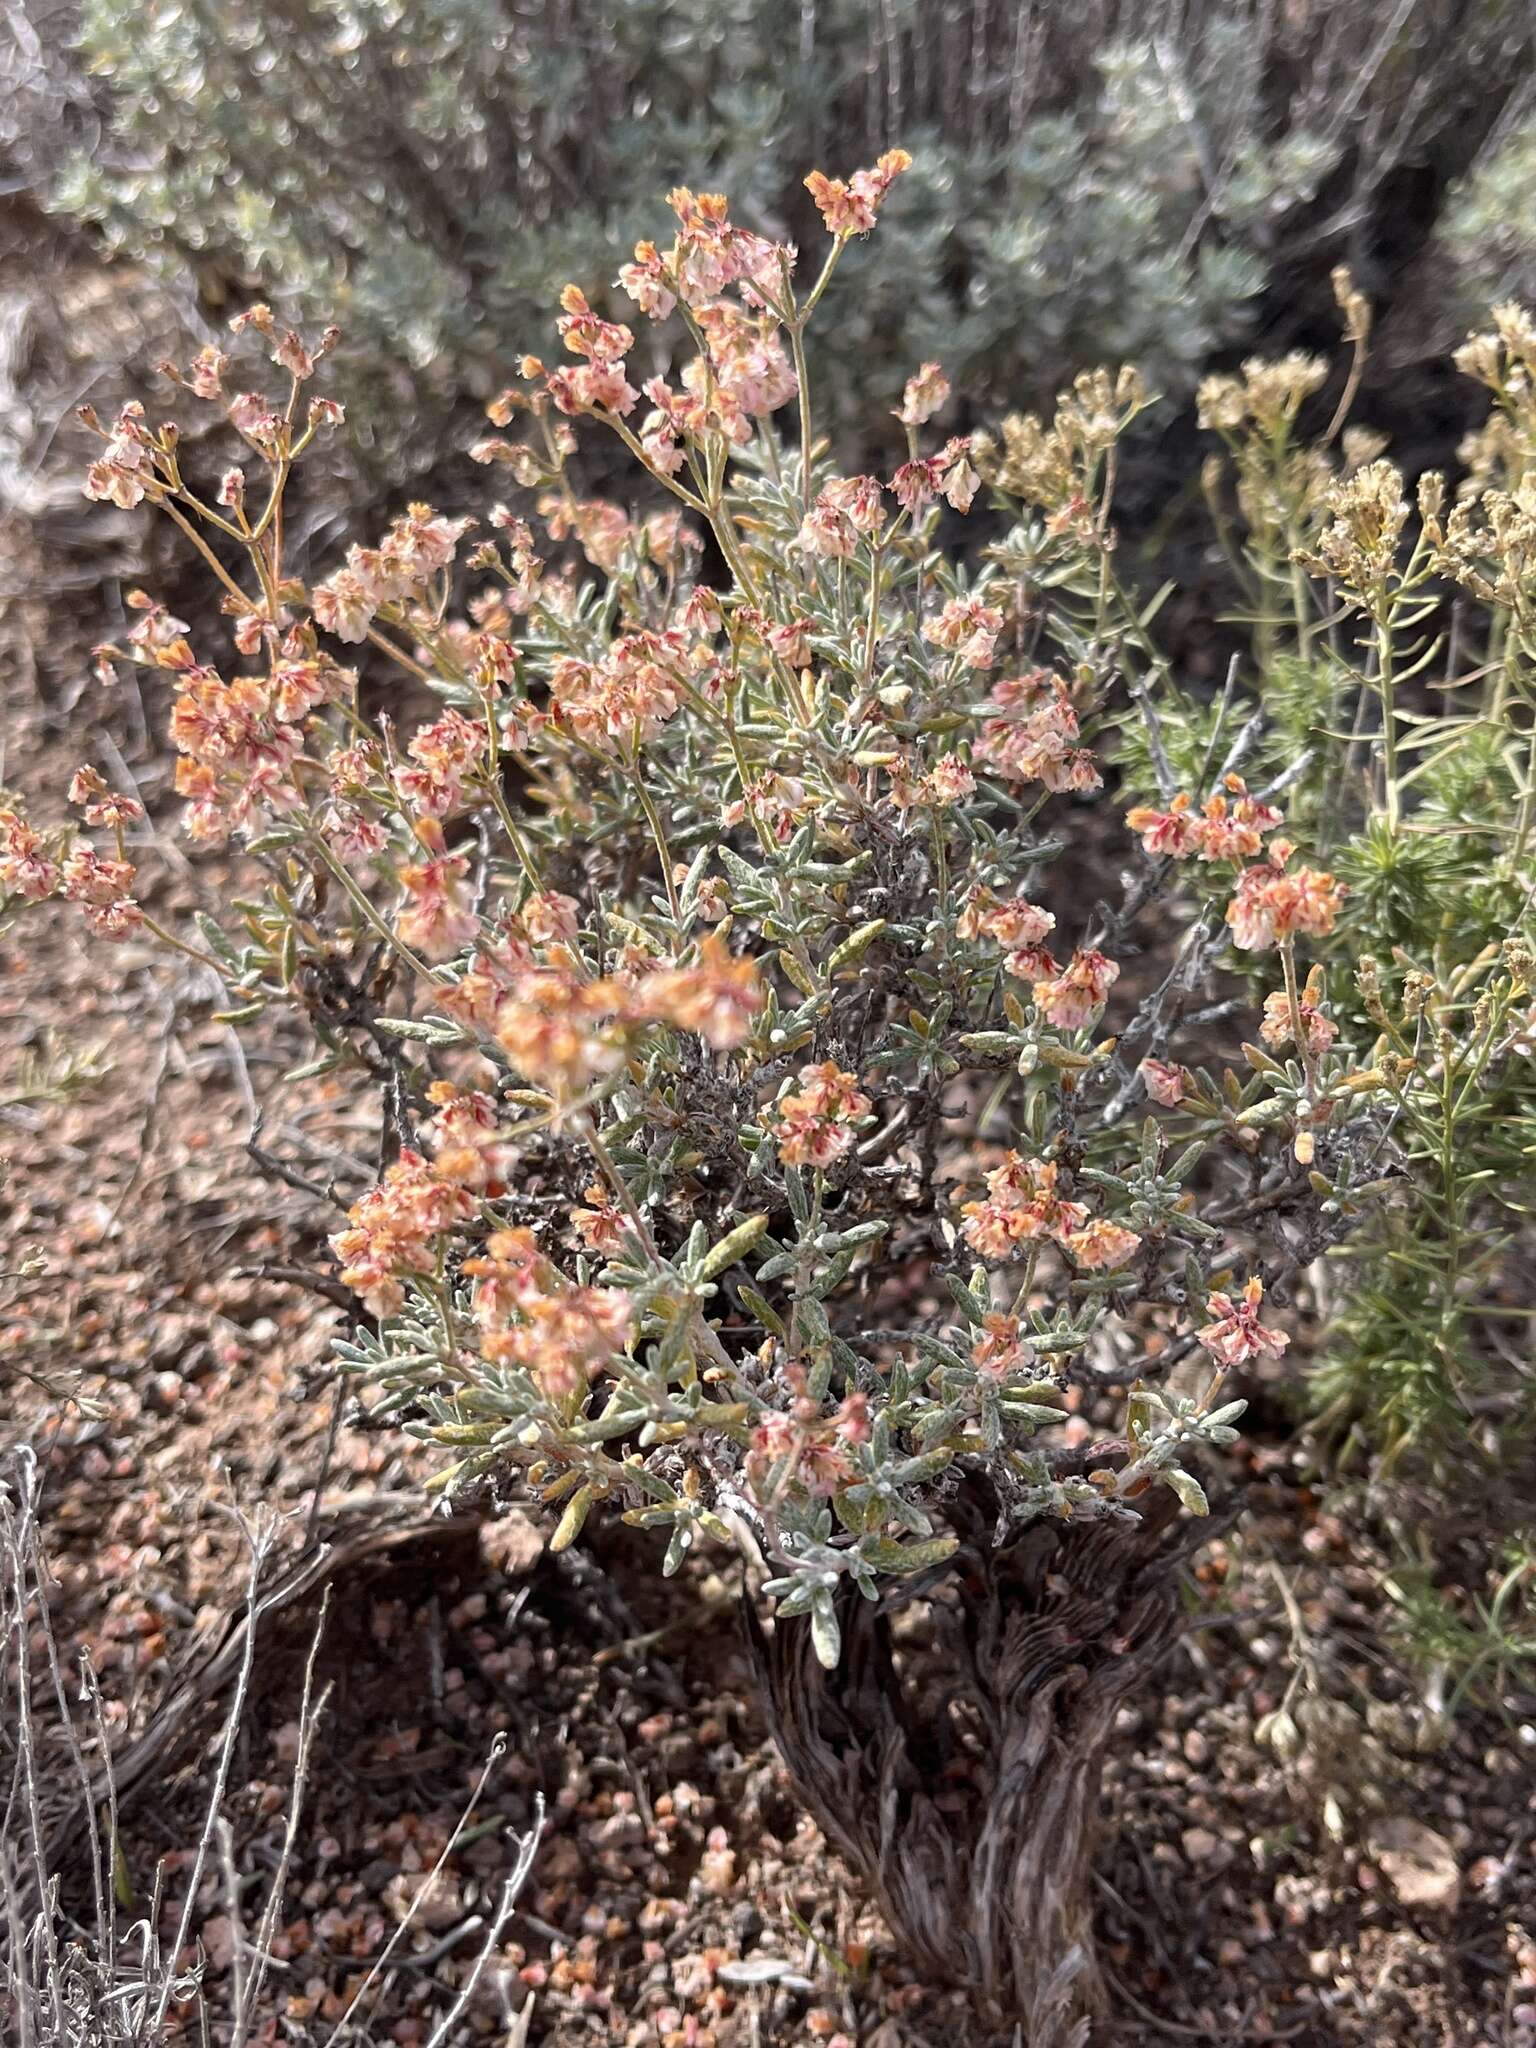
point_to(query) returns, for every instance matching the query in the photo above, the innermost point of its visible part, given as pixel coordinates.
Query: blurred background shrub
(1119, 179)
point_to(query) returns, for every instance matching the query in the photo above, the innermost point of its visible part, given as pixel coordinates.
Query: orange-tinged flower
(471, 1147)
(1170, 834)
(601, 1224)
(560, 1031)
(1017, 922)
(532, 1317)
(1231, 826)
(1101, 1245)
(417, 547)
(851, 208)
(435, 921)
(443, 755)
(584, 334)
(717, 996)
(1234, 830)
(549, 917)
(396, 1229)
(1069, 999)
(647, 282)
(815, 1126)
(1317, 1029)
(1236, 1334)
(1022, 1207)
(592, 387)
(1271, 904)
(1002, 1348)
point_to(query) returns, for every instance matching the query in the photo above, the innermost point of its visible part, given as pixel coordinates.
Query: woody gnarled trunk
(961, 1781)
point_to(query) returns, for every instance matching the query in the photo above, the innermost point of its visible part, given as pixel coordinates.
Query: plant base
(960, 1777)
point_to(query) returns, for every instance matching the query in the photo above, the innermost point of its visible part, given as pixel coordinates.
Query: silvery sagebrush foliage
(1114, 178)
(780, 1126)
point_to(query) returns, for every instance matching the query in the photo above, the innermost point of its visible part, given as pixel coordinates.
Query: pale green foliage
(1116, 178)
(1489, 228)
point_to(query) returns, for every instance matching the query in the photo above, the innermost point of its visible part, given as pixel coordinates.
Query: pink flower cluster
(846, 511)
(777, 802)
(469, 1144)
(443, 756)
(1272, 905)
(851, 207)
(1034, 737)
(1019, 926)
(598, 383)
(623, 698)
(1236, 1334)
(967, 627)
(1065, 996)
(529, 1315)
(564, 1029)
(126, 470)
(606, 533)
(816, 1125)
(1231, 826)
(1023, 1207)
(32, 870)
(435, 921)
(803, 1446)
(949, 781)
(850, 509)
(27, 869)
(240, 740)
(417, 547)
(1070, 997)
(742, 373)
(398, 1228)
(949, 474)
(707, 258)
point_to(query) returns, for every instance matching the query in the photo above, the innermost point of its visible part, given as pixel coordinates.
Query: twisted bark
(964, 1790)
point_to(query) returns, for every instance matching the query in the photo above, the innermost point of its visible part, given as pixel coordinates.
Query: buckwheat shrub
(698, 885)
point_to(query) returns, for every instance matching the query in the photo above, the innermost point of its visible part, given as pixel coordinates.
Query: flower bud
(1278, 1731)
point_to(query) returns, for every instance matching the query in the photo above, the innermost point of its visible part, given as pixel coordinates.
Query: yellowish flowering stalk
(1381, 692)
